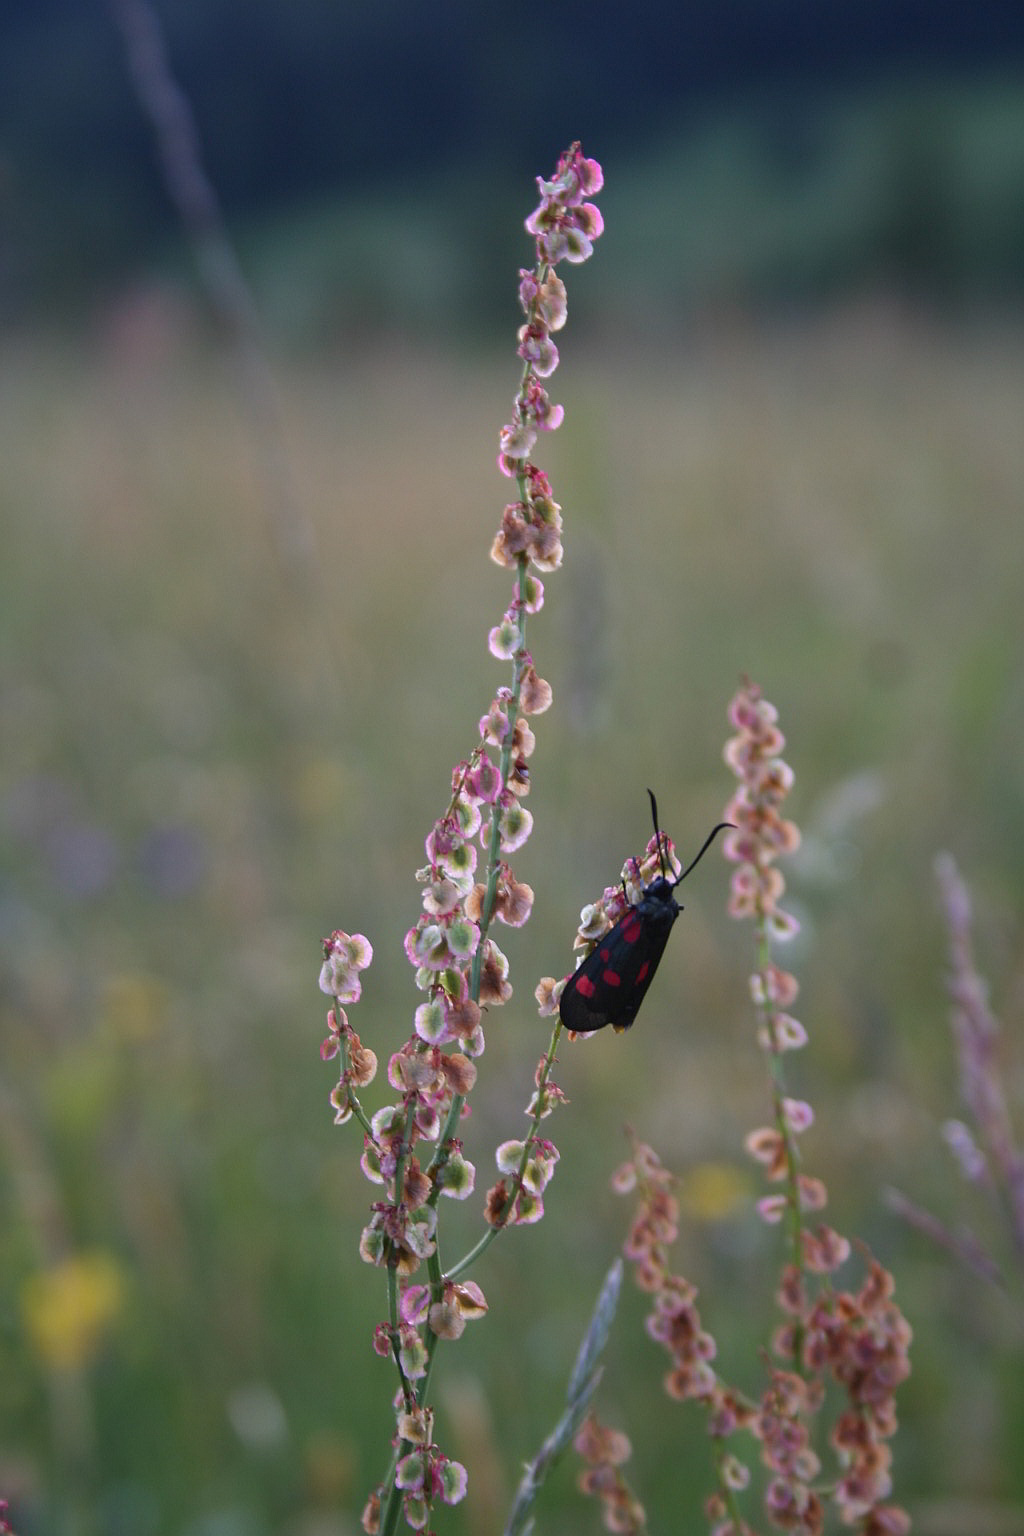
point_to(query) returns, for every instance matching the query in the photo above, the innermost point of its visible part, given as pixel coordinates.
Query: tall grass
(187, 757)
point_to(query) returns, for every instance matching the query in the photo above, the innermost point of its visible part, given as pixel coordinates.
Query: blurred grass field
(211, 758)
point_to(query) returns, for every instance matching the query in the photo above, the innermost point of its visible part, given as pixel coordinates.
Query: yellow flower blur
(68, 1310)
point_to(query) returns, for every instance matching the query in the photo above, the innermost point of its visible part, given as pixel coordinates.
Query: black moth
(612, 982)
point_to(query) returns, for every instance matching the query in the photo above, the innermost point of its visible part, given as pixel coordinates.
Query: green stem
(353, 1099)
(470, 1258)
(392, 1509)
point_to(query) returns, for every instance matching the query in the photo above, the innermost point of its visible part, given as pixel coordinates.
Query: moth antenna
(704, 848)
(657, 835)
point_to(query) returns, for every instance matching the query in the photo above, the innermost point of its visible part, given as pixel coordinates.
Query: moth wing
(612, 982)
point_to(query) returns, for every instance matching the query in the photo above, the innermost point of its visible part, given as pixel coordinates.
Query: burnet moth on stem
(611, 983)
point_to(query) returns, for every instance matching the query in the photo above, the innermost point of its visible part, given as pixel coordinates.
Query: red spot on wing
(630, 928)
(585, 987)
(611, 978)
(606, 954)
(642, 972)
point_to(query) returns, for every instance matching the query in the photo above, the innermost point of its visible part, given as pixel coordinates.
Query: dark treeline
(304, 99)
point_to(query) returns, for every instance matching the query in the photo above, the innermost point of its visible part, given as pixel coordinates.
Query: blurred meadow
(219, 744)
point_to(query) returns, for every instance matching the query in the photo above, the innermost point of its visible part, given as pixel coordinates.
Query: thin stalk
(487, 1239)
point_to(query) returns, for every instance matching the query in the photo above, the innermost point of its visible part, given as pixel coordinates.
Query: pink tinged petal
(529, 287)
(535, 693)
(419, 1234)
(782, 926)
(413, 1304)
(494, 725)
(528, 1208)
(516, 824)
(463, 937)
(360, 951)
(537, 1175)
(338, 979)
(591, 176)
(799, 1115)
(473, 1044)
(535, 222)
(428, 1121)
(790, 1034)
(387, 1118)
(503, 640)
(440, 897)
(342, 1104)
(591, 219)
(552, 244)
(457, 1178)
(415, 1428)
(416, 1510)
(430, 1023)
(370, 1164)
(432, 947)
(578, 246)
(772, 1208)
(329, 1048)
(484, 782)
(467, 814)
(765, 1145)
(507, 1156)
(547, 992)
(813, 1193)
(470, 1299)
(411, 1470)
(552, 306)
(741, 904)
(414, 1357)
(539, 351)
(623, 1180)
(534, 596)
(773, 985)
(446, 1320)
(372, 1245)
(517, 440)
(454, 1481)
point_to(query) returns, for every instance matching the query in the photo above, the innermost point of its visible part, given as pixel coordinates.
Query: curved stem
(468, 1259)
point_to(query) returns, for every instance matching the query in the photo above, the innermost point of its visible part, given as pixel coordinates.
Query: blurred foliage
(781, 201)
(756, 153)
(210, 759)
